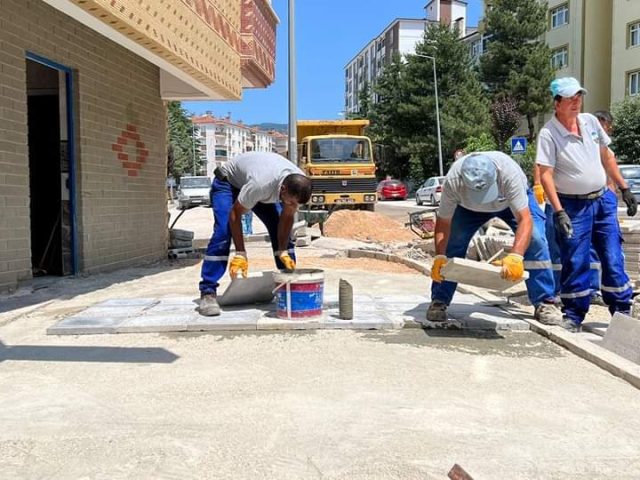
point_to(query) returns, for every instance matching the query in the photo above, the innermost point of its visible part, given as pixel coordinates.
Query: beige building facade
(82, 120)
(596, 41)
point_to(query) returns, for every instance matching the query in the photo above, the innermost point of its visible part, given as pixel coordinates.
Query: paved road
(399, 209)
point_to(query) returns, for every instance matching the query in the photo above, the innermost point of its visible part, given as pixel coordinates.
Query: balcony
(205, 49)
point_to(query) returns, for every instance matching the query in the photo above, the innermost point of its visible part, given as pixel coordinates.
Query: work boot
(209, 305)
(596, 299)
(570, 325)
(437, 317)
(548, 314)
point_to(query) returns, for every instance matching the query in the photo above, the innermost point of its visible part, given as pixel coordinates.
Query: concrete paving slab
(483, 275)
(229, 320)
(271, 322)
(364, 321)
(170, 322)
(82, 325)
(623, 337)
(256, 288)
(128, 302)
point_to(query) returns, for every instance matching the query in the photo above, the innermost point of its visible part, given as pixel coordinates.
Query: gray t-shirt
(575, 159)
(512, 185)
(258, 176)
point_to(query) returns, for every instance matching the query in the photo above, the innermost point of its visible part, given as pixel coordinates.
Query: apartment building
(596, 41)
(399, 37)
(221, 139)
(82, 119)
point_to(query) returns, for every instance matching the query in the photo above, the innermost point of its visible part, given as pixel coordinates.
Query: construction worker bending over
(574, 161)
(270, 186)
(479, 187)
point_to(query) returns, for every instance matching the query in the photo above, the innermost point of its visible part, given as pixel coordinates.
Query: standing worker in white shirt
(574, 161)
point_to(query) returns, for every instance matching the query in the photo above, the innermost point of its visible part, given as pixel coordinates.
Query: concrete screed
(327, 404)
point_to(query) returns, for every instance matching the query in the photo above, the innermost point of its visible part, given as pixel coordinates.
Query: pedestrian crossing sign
(518, 145)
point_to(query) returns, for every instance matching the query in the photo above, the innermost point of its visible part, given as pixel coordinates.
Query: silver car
(430, 191)
(631, 173)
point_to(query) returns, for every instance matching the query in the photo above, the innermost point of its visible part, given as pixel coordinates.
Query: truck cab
(338, 159)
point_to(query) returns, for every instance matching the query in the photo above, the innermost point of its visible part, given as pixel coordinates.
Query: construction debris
(366, 226)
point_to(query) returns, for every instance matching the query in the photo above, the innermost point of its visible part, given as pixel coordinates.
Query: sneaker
(209, 305)
(437, 317)
(570, 326)
(596, 299)
(548, 314)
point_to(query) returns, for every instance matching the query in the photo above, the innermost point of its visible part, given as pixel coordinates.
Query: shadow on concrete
(44, 289)
(44, 353)
(464, 333)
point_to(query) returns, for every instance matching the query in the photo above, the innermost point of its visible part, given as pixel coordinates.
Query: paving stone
(229, 320)
(256, 288)
(155, 323)
(275, 323)
(623, 337)
(477, 317)
(363, 321)
(123, 302)
(111, 312)
(483, 275)
(80, 325)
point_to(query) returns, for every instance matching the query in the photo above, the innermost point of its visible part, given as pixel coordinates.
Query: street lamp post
(293, 141)
(435, 87)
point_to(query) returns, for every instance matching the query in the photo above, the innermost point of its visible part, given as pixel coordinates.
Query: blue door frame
(71, 144)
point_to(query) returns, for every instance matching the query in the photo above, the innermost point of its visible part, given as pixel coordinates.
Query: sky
(329, 33)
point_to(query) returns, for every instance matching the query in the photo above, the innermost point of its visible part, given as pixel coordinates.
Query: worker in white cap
(574, 161)
(481, 186)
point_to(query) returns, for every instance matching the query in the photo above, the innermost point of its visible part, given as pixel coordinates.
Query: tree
(464, 108)
(482, 143)
(518, 62)
(386, 127)
(626, 130)
(505, 119)
(180, 144)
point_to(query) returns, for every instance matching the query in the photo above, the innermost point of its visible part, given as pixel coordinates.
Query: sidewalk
(333, 404)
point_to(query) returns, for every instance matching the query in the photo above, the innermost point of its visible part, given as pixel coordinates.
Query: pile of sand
(366, 226)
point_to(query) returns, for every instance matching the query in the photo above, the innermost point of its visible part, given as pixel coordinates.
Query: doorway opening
(51, 168)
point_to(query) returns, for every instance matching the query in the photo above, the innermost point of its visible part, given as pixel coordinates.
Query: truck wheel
(369, 207)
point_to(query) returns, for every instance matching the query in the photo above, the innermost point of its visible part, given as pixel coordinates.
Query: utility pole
(293, 120)
(435, 87)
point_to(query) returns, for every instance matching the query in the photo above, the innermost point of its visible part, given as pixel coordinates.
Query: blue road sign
(518, 145)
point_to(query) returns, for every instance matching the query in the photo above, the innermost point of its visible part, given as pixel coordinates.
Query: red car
(392, 189)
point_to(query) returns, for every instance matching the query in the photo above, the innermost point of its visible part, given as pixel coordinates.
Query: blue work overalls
(556, 261)
(595, 222)
(223, 196)
(465, 223)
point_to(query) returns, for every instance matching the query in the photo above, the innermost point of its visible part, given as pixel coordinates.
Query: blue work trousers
(465, 223)
(595, 222)
(223, 196)
(556, 261)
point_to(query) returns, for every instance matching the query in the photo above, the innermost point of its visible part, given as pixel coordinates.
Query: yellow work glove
(438, 262)
(285, 258)
(513, 267)
(538, 192)
(239, 264)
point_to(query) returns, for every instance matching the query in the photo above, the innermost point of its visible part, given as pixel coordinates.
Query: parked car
(631, 174)
(194, 191)
(430, 191)
(392, 189)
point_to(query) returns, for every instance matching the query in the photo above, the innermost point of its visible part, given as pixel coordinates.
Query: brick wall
(120, 132)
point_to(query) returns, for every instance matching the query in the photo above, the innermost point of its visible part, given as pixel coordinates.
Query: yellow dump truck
(338, 158)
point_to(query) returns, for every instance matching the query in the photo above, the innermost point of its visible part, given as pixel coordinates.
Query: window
(560, 16)
(221, 152)
(560, 58)
(634, 34)
(634, 83)
(475, 48)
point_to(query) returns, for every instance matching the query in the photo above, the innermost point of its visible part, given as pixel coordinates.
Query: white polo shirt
(575, 159)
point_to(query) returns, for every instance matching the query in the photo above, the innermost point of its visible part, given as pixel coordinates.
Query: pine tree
(626, 130)
(180, 145)
(386, 126)
(518, 62)
(464, 108)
